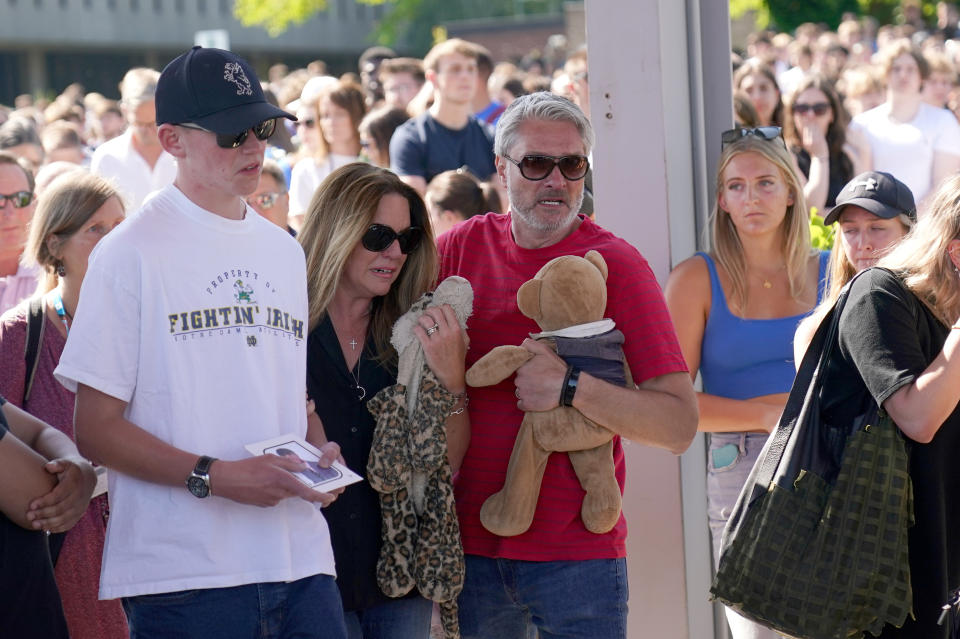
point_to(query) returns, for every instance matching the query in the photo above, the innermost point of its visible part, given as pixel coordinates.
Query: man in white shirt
(17, 202)
(135, 161)
(190, 342)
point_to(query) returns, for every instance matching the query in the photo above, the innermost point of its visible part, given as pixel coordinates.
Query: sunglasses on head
(379, 237)
(19, 199)
(818, 108)
(538, 167)
(263, 200)
(261, 131)
(762, 132)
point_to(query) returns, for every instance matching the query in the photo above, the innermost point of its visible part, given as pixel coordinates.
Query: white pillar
(659, 89)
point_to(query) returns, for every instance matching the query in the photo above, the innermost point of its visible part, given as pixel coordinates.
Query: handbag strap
(31, 354)
(805, 386)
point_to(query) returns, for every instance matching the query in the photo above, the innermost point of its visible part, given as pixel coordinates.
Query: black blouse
(841, 172)
(354, 518)
(888, 337)
(29, 601)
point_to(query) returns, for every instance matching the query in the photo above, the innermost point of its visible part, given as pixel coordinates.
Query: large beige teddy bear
(567, 298)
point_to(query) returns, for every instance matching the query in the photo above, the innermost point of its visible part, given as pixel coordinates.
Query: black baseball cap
(215, 89)
(880, 193)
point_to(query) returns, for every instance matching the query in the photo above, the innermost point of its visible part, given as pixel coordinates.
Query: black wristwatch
(569, 388)
(198, 483)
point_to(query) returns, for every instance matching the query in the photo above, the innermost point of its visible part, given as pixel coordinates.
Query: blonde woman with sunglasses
(736, 308)
(371, 254)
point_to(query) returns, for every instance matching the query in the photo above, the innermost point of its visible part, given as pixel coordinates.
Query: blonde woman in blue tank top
(736, 309)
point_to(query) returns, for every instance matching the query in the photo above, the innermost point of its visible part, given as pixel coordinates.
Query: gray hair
(540, 106)
(139, 85)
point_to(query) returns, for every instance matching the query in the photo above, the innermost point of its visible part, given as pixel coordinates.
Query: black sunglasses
(762, 132)
(261, 131)
(818, 108)
(19, 199)
(538, 167)
(379, 237)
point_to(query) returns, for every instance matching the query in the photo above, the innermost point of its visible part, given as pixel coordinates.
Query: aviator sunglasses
(19, 199)
(762, 132)
(379, 237)
(818, 108)
(261, 131)
(538, 167)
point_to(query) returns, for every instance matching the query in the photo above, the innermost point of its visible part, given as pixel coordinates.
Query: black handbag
(816, 547)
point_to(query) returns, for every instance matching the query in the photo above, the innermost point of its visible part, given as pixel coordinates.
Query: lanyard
(61, 312)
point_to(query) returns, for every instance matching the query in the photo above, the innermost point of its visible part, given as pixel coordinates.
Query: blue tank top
(744, 358)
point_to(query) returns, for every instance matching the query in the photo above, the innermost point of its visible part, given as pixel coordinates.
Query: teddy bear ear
(528, 298)
(597, 260)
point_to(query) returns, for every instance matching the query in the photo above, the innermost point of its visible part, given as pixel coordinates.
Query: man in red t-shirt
(557, 577)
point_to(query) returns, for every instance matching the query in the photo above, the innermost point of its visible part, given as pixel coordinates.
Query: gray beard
(553, 224)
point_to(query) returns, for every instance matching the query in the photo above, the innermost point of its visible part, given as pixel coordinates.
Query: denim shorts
(513, 599)
(308, 608)
(730, 459)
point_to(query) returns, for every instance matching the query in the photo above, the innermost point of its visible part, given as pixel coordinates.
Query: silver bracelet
(466, 402)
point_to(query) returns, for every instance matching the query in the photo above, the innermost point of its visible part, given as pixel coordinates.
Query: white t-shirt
(200, 324)
(117, 161)
(905, 149)
(306, 176)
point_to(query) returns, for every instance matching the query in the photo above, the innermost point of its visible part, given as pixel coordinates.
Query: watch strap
(569, 388)
(203, 465)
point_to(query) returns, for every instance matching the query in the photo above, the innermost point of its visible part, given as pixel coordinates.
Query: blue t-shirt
(425, 148)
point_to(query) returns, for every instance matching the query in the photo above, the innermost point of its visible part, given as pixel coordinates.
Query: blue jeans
(513, 599)
(398, 619)
(308, 608)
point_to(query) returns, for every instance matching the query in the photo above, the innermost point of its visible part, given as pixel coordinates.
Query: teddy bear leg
(395, 573)
(510, 511)
(601, 505)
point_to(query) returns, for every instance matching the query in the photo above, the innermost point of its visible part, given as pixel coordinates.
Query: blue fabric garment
(744, 358)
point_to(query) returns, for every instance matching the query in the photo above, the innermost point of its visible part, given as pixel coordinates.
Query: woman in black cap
(899, 345)
(874, 210)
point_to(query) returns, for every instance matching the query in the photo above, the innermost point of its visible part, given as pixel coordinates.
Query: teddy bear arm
(497, 365)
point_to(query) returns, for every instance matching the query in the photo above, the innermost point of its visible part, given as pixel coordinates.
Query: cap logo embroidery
(233, 72)
(869, 184)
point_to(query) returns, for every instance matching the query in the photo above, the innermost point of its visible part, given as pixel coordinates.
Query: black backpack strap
(35, 325)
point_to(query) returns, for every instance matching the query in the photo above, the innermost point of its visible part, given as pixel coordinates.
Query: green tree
(407, 22)
(786, 15)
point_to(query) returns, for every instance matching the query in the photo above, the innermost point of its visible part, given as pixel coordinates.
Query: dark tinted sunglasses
(819, 108)
(261, 131)
(379, 237)
(19, 199)
(538, 167)
(762, 132)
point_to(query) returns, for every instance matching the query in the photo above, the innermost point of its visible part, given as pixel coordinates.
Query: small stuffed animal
(567, 298)
(408, 467)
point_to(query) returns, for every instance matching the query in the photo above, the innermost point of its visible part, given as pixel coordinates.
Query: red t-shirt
(483, 251)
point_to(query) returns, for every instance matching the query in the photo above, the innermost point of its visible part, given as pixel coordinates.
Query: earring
(61, 271)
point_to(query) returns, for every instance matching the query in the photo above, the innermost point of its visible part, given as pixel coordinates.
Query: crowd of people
(179, 267)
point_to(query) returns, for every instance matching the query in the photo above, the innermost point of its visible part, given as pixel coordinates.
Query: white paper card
(315, 476)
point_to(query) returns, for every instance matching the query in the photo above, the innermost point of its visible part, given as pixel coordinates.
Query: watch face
(197, 486)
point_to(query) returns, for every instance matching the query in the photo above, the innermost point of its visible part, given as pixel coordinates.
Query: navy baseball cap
(880, 193)
(215, 89)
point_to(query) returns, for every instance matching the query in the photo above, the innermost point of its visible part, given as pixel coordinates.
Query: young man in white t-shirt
(188, 343)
